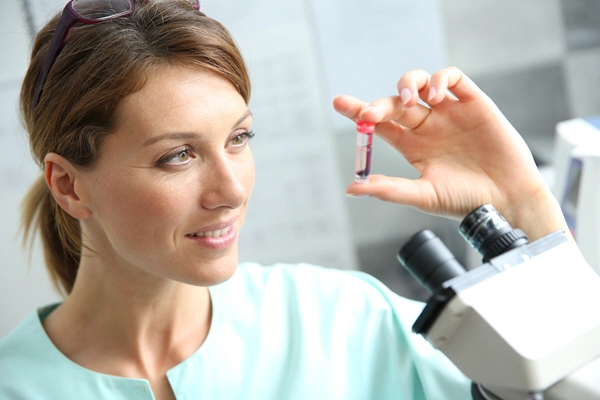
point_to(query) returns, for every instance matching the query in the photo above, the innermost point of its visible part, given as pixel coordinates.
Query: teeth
(215, 233)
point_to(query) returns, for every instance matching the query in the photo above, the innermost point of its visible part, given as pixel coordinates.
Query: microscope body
(524, 325)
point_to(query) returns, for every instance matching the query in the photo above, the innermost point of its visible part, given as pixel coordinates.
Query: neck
(148, 323)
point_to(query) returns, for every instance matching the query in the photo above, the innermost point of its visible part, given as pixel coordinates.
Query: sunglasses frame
(68, 18)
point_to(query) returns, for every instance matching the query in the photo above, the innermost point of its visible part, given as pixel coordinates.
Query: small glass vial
(364, 139)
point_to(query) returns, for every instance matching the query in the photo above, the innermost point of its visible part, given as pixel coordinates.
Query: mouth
(213, 233)
(215, 238)
(219, 236)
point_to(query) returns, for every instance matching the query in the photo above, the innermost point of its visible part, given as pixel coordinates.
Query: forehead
(174, 96)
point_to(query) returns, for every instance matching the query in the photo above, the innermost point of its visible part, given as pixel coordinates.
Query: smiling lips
(216, 233)
(220, 238)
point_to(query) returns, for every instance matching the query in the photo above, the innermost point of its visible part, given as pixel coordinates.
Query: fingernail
(405, 95)
(432, 93)
(356, 195)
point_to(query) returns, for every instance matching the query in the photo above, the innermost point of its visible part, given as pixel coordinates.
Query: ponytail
(61, 235)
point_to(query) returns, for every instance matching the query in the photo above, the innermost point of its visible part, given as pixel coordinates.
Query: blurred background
(537, 59)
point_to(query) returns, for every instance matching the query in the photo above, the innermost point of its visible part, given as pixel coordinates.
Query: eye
(241, 139)
(178, 157)
(238, 140)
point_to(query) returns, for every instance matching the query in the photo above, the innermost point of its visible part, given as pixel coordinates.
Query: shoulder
(31, 367)
(310, 303)
(350, 323)
(18, 342)
(22, 356)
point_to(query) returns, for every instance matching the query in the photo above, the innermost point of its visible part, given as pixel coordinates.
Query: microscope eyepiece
(489, 233)
(426, 257)
(431, 263)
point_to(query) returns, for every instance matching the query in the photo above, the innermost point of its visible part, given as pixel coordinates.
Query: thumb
(391, 189)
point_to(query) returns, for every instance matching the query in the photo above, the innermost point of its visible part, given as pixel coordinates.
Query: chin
(212, 274)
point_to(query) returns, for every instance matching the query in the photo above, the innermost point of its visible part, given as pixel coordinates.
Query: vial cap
(365, 126)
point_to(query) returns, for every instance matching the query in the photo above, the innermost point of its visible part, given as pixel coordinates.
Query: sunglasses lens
(99, 10)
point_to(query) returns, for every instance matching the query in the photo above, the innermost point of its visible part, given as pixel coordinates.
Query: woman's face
(169, 193)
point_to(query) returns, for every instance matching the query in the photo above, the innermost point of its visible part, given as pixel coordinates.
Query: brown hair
(98, 67)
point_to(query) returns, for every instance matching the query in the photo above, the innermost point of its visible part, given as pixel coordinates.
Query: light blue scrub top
(280, 332)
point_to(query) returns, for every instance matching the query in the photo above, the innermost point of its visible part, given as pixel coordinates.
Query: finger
(392, 109)
(446, 84)
(396, 190)
(414, 85)
(451, 80)
(349, 106)
(411, 84)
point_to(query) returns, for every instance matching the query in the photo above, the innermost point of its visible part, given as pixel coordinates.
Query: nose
(228, 182)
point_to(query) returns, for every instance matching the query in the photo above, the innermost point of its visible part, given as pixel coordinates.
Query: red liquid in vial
(364, 139)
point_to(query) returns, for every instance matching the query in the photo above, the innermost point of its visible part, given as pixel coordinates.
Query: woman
(141, 128)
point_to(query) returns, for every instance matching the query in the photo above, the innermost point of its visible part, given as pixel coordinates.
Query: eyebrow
(188, 135)
(247, 114)
(172, 136)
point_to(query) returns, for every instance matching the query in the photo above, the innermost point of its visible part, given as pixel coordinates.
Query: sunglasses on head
(85, 12)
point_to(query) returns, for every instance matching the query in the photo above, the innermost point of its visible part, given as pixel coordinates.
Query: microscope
(524, 325)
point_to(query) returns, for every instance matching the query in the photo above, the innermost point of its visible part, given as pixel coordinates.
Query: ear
(63, 179)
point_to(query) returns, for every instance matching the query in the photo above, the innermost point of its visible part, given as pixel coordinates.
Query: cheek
(131, 207)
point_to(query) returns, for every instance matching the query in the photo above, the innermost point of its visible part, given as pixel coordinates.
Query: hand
(466, 151)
